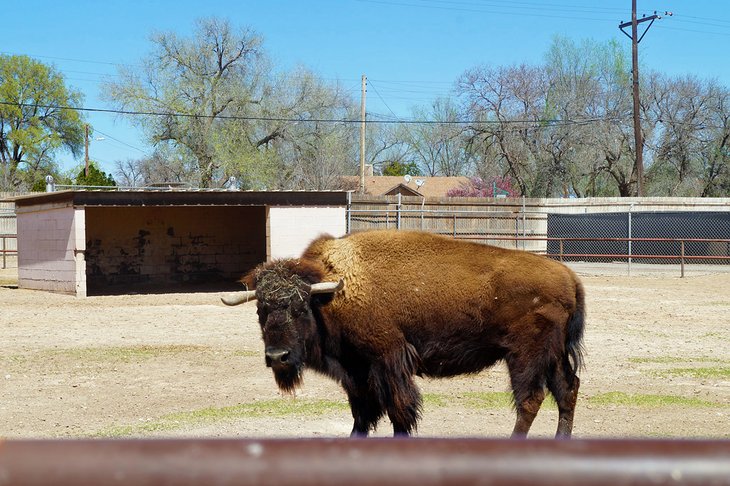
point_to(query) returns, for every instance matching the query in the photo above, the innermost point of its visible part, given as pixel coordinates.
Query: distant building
(420, 186)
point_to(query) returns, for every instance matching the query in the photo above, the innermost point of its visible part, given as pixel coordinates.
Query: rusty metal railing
(681, 257)
(364, 462)
(4, 250)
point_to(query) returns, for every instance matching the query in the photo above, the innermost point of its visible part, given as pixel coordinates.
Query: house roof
(431, 187)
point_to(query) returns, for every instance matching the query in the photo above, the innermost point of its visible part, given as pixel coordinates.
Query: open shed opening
(167, 248)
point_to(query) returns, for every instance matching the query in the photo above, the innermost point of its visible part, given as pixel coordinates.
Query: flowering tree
(478, 187)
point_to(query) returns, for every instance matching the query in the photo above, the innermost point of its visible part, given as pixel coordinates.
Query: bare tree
(509, 107)
(191, 85)
(716, 151)
(129, 173)
(439, 147)
(168, 164)
(688, 115)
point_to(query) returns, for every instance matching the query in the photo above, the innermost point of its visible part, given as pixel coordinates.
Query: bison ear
(326, 287)
(249, 280)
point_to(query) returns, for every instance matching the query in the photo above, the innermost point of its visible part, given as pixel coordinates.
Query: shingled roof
(391, 185)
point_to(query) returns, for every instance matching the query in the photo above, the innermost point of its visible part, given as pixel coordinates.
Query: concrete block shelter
(94, 242)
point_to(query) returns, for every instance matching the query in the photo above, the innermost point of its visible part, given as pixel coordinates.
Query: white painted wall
(51, 243)
(290, 229)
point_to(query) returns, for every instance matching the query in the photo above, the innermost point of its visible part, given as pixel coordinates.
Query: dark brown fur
(418, 304)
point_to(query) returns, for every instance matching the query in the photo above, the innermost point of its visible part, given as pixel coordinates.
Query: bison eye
(298, 310)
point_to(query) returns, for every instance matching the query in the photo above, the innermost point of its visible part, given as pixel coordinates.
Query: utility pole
(362, 135)
(635, 39)
(86, 151)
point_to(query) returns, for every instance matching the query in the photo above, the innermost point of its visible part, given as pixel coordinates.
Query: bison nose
(276, 356)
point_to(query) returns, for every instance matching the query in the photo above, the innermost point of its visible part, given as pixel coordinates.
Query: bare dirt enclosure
(184, 365)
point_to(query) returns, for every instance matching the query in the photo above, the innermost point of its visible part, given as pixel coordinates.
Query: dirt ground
(184, 365)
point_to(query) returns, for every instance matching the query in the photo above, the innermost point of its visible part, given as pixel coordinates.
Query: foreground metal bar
(380, 462)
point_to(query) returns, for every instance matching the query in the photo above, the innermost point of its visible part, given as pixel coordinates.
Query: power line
(481, 10)
(527, 6)
(118, 141)
(384, 119)
(708, 19)
(706, 32)
(381, 99)
(553, 122)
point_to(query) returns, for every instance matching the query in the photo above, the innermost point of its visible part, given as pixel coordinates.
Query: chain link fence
(597, 238)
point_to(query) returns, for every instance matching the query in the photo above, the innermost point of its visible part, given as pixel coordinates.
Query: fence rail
(6, 249)
(364, 462)
(661, 238)
(681, 257)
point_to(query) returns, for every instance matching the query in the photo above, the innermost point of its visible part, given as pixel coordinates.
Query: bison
(375, 308)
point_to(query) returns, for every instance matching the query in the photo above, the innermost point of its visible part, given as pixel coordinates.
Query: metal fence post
(524, 223)
(631, 206)
(4, 261)
(349, 212)
(423, 210)
(398, 209)
(681, 260)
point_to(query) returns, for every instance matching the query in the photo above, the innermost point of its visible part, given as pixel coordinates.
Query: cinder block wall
(291, 229)
(169, 246)
(50, 249)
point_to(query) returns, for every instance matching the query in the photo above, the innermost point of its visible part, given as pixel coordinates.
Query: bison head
(284, 291)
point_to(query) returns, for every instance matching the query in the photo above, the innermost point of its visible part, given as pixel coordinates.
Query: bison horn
(239, 297)
(326, 287)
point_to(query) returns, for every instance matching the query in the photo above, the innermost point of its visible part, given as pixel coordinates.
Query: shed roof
(186, 198)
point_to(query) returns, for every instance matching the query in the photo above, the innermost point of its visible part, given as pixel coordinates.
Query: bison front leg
(366, 409)
(368, 405)
(405, 410)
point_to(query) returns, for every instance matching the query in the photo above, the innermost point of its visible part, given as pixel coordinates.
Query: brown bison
(372, 309)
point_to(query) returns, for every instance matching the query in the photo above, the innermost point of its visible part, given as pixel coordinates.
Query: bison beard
(360, 311)
(287, 378)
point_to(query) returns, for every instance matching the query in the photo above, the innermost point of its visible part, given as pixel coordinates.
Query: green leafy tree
(35, 122)
(399, 168)
(218, 101)
(95, 177)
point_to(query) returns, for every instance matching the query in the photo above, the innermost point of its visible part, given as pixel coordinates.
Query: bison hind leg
(528, 385)
(528, 389)
(563, 385)
(527, 404)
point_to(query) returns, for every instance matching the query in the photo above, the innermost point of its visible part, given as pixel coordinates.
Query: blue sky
(412, 51)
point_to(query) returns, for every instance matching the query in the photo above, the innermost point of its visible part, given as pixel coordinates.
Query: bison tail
(574, 335)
